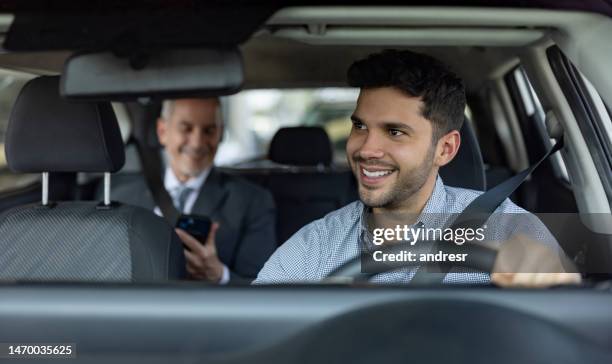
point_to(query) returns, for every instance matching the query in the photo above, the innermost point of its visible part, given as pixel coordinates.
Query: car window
(10, 84)
(252, 117)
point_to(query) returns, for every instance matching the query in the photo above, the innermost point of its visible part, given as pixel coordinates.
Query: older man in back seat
(242, 235)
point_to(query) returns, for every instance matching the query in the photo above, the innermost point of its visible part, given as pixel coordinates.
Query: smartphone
(196, 225)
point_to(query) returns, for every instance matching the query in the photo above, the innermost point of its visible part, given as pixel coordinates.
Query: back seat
(301, 178)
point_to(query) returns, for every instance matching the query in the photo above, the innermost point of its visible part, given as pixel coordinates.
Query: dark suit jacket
(245, 212)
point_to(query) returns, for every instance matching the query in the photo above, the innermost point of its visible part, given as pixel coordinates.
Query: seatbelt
(478, 212)
(151, 167)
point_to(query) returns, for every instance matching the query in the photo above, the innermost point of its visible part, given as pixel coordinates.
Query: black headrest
(301, 146)
(466, 170)
(49, 134)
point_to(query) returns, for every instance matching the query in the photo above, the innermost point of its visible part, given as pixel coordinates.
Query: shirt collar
(171, 182)
(436, 201)
(432, 216)
(434, 213)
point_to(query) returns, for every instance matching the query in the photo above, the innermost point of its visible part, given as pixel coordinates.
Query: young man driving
(405, 127)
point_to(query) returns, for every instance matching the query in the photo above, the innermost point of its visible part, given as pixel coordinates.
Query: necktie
(180, 197)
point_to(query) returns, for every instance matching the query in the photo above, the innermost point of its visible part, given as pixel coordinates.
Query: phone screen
(196, 225)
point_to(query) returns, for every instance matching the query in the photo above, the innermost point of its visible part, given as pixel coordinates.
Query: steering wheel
(362, 267)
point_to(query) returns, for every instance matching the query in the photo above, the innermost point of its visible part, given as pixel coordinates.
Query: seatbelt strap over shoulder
(479, 211)
(490, 200)
(151, 168)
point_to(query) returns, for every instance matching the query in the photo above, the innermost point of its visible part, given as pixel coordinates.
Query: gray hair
(168, 108)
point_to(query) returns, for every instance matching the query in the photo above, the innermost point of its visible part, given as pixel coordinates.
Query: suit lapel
(212, 194)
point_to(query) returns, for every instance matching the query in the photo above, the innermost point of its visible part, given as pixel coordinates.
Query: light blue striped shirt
(325, 244)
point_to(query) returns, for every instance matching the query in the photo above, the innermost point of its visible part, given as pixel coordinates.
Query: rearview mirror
(164, 73)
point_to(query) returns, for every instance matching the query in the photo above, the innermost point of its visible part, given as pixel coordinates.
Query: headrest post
(107, 187)
(45, 188)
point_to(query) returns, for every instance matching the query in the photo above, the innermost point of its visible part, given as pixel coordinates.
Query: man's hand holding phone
(202, 260)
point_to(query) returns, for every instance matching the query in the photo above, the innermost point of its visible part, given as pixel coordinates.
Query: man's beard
(404, 188)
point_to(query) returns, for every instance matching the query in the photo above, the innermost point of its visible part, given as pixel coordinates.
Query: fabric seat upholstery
(77, 240)
(304, 185)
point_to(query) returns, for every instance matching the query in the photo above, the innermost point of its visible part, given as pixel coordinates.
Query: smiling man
(405, 127)
(390, 152)
(242, 236)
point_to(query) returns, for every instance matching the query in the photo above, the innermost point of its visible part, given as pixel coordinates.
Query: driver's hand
(524, 262)
(202, 260)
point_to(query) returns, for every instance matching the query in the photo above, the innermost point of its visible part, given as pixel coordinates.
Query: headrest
(49, 134)
(466, 170)
(301, 146)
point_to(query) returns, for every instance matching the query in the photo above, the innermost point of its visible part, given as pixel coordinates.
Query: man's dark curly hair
(418, 75)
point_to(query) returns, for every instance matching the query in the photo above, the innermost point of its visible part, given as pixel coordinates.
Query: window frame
(531, 107)
(589, 122)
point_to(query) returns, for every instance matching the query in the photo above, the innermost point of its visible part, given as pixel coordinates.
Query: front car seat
(78, 240)
(467, 169)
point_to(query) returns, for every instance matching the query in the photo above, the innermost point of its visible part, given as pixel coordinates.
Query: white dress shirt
(172, 185)
(322, 246)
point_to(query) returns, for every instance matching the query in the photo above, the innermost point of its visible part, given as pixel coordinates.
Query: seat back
(302, 196)
(301, 146)
(466, 170)
(77, 241)
(304, 185)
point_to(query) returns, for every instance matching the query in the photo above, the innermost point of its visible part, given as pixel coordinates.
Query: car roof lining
(581, 35)
(282, 53)
(277, 63)
(404, 36)
(426, 16)
(272, 62)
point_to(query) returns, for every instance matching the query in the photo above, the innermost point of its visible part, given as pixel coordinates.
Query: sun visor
(127, 26)
(162, 74)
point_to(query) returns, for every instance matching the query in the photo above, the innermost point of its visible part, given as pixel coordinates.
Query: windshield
(372, 157)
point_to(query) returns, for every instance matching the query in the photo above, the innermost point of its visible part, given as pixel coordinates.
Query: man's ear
(447, 148)
(162, 125)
